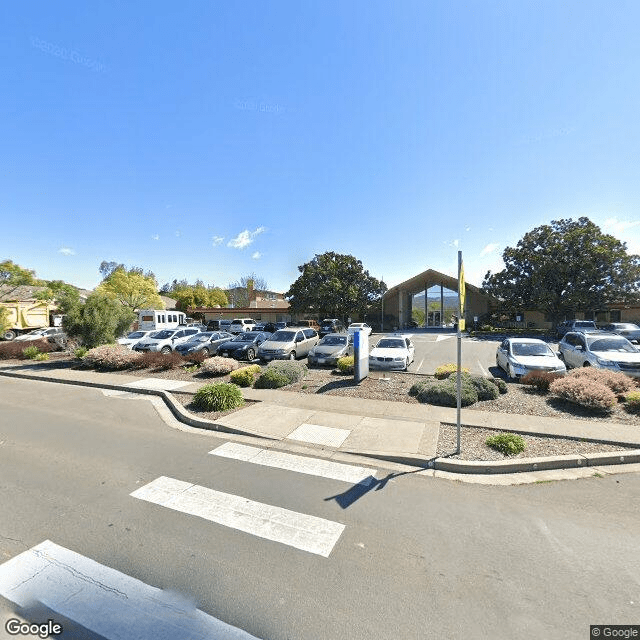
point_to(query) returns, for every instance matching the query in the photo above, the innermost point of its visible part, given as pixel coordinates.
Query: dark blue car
(244, 346)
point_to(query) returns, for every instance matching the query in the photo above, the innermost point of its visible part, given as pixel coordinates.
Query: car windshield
(333, 340)
(201, 337)
(161, 335)
(584, 324)
(391, 343)
(612, 344)
(245, 337)
(529, 349)
(282, 336)
(136, 334)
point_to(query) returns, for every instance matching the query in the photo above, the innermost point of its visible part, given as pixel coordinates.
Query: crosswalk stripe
(299, 464)
(105, 601)
(305, 532)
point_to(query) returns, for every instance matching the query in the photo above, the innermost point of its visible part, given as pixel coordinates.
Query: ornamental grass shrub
(41, 356)
(444, 392)
(245, 376)
(541, 380)
(416, 388)
(584, 392)
(445, 370)
(346, 364)
(218, 397)
(271, 379)
(500, 383)
(632, 401)
(80, 352)
(218, 366)
(292, 370)
(509, 444)
(485, 389)
(30, 352)
(618, 382)
(111, 357)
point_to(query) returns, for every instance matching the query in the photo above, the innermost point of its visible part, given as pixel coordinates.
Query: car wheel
(9, 335)
(251, 354)
(292, 355)
(165, 350)
(586, 364)
(205, 351)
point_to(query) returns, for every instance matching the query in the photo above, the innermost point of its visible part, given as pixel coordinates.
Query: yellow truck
(26, 316)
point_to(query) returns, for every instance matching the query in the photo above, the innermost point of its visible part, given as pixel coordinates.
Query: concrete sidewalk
(395, 431)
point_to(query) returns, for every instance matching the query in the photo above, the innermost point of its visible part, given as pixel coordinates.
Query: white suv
(165, 340)
(242, 325)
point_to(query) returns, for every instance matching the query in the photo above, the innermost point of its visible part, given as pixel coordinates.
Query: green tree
(333, 285)
(4, 320)
(13, 276)
(99, 320)
(199, 296)
(132, 289)
(565, 267)
(418, 315)
(238, 291)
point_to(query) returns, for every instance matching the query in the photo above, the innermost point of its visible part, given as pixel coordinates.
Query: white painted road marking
(317, 434)
(298, 530)
(157, 383)
(299, 464)
(105, 601)
(439, 338)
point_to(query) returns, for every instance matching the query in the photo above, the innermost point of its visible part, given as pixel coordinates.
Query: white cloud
(490, 248)
(216, 240)
(618, 227)
(178, 234)
(66, 251)
(156, 237)
(257, 255)
(455, 243)
(467, 228)
(245, 238)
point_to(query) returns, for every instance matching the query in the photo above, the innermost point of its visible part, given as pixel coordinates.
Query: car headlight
(279, 350)
(603, 362)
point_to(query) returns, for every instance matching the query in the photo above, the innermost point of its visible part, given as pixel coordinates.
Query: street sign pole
(461, 326)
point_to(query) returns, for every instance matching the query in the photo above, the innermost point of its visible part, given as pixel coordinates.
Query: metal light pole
(382, 305)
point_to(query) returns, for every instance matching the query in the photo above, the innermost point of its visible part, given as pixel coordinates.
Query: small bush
(508, 444)
(41, 356)
(445, 370)
(619, 383)
(218, 397)
(632, 401)
(485, 389)
(245, 376)
(585, 392)
(541, 380)
(417, 388)
(30, 352)
(219, 366)
(271, 379)
(500, 383)
(293, 371)
(195, 357)
(444, 393)
(346, 364)
(111, 357)
(158, 361)
(80, 352)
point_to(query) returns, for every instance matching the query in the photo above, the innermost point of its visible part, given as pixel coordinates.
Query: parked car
(331, 325)
(311, 323)
(600, 349)
(48, 333)
(330, 348)
(132, 338)
(206, 342)
(244, 346)
(575, 325)
(393, 352)
(268, 327)
(359, 326)
(288, 344)
(519, 356)
(165, 340)
(625, 329)
(242, 325)
(282, 325)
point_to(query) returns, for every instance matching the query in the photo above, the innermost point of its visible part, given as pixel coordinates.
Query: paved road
(401, 556)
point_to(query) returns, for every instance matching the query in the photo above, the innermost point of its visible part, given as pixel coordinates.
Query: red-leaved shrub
(541, 380)
(157, 361)
(111, 357)
(585, 392)
(619, 383)
(13, 350)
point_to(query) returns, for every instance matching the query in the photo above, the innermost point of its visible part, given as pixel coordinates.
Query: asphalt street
(412, 556)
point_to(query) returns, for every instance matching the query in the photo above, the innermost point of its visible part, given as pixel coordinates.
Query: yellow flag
(461, 290)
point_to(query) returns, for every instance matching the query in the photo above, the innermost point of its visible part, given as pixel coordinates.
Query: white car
(39, 334)
(135, 336)
(165, 340)
(359, 326)
(392, 352)
(519, 356)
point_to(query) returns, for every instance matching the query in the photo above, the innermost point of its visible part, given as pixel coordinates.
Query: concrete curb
(522, 465)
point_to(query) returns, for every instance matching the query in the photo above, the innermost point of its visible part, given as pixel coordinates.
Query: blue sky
(211, 140)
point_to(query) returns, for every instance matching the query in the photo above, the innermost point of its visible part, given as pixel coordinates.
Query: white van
(157, 319)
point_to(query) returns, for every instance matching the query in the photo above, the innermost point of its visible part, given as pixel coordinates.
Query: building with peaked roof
(398, 300)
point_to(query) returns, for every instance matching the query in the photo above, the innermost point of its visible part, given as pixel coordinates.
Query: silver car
(627, 330)
(331, 348)
(519, 356)
(288, 344)
(601, 349)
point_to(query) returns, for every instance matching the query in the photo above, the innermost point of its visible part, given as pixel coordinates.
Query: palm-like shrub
(218, 397)
(509, 444)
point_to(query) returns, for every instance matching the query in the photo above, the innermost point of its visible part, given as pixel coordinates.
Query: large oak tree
(333, 285)
(567, 266)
